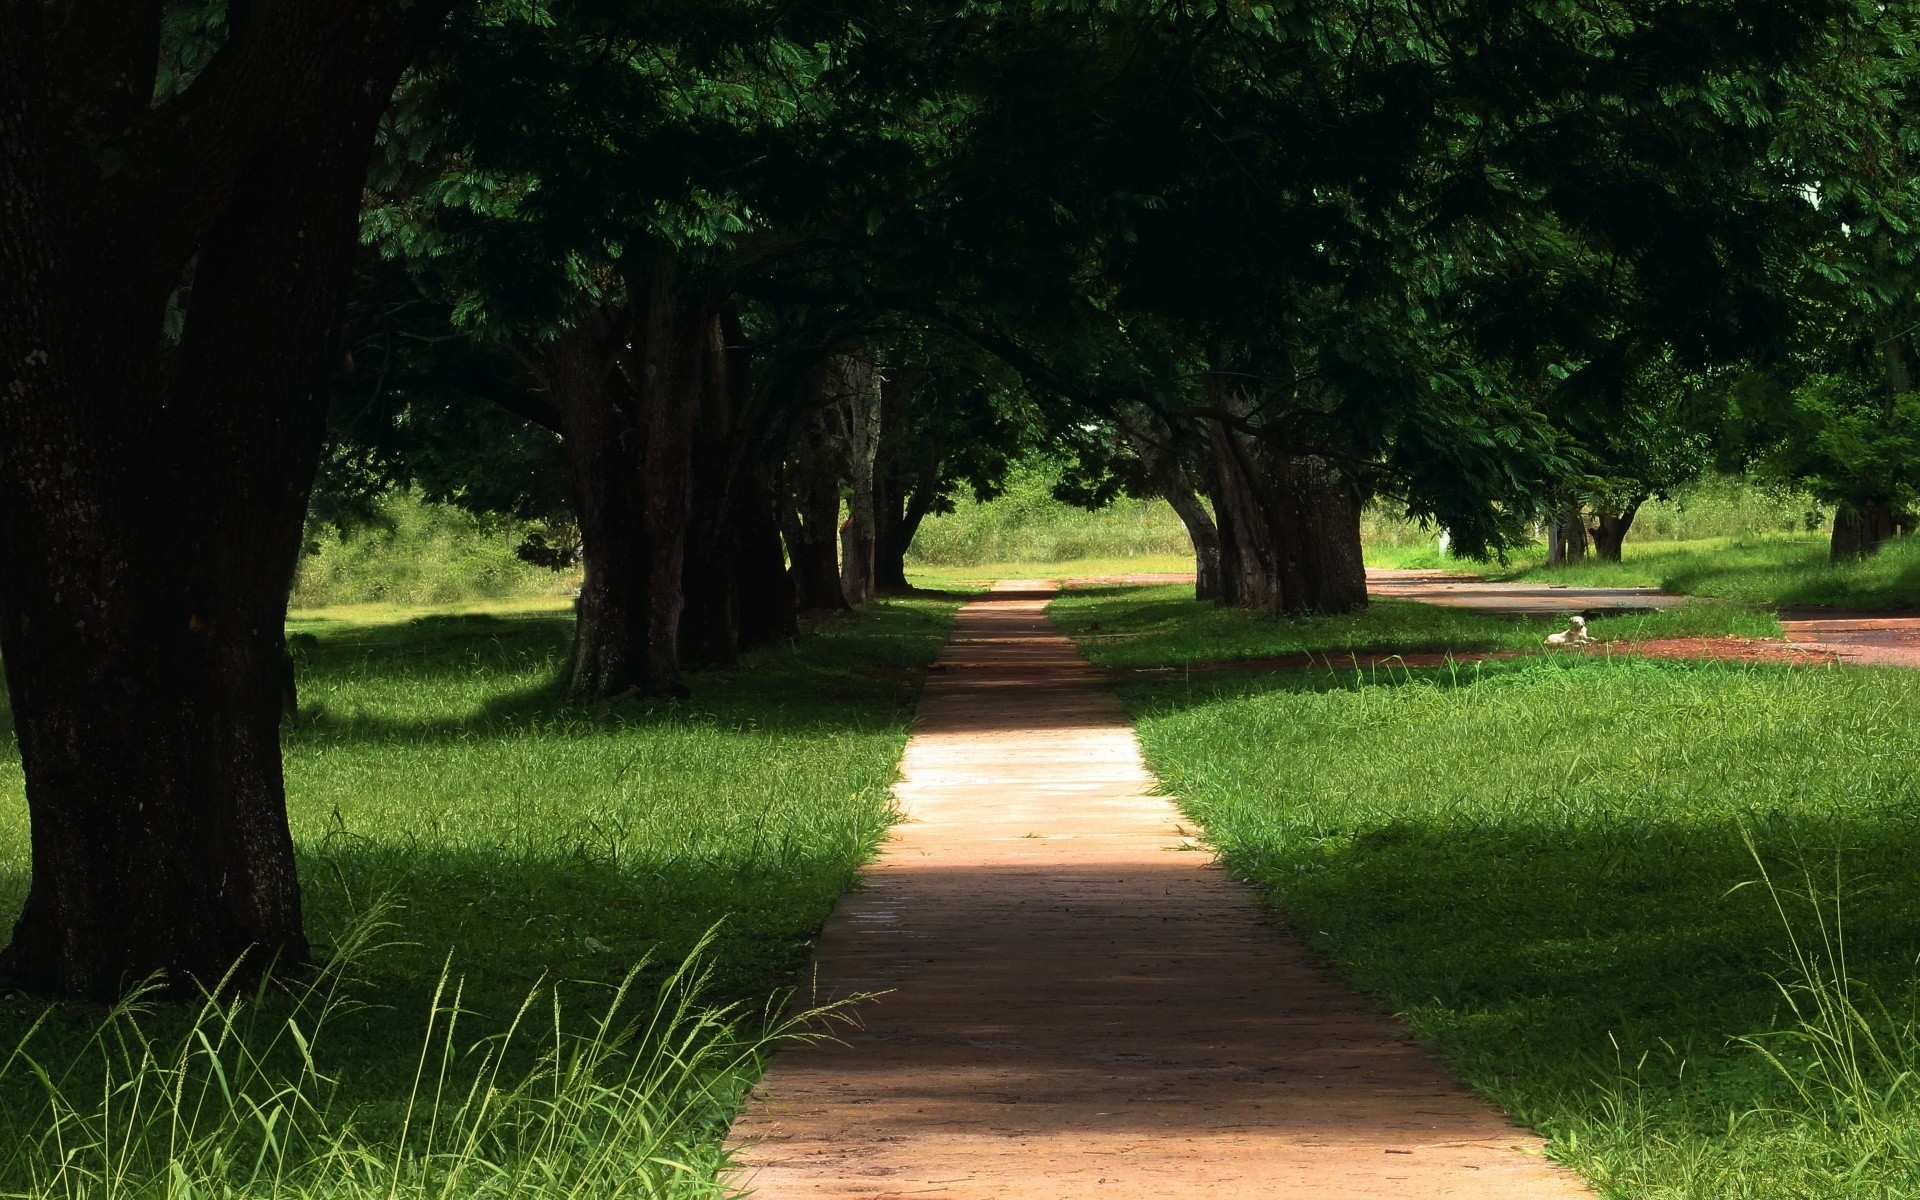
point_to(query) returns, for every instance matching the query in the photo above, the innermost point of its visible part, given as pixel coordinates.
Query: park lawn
(1544, 865)
(519, 845)
(1147, 627)
(974, 575)
(1768, 571)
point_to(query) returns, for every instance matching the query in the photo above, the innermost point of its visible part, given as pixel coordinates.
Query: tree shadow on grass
(1542, 955)
(857, 670)
(496, 923)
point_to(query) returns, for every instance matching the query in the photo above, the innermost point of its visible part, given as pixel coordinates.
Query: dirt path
(1081, 1005)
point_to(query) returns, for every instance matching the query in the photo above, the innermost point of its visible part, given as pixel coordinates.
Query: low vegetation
(1026, 524)
(1662, 911)
(557, 934)
(421, 554)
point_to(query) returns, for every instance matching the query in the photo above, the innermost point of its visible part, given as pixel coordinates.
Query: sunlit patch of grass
(1545, 864)
(1780, 569)
(980, 574)
(1166, 626)
(522, 844)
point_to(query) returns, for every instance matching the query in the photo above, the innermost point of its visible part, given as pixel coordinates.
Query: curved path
(1079, 1004)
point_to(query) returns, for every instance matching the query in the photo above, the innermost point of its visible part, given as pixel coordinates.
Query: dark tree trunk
(1566, 536)
(627, 386)
(1154, 442)
(1289, 526)
(765, 594)
(897, 520)
(152, 505)
(710, 614)
(853, 422)
(812, 524)
(1249, 558)
(1860, 527)
(1610, 530)
(1322, 570)
(610, 625)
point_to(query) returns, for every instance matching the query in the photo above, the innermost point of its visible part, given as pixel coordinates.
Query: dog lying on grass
(1575, 634)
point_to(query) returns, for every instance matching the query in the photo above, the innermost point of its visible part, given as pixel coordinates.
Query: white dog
(1575, 634)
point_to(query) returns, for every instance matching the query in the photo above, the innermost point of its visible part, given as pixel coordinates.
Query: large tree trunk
(627, 385)
(1610, 530)
(898, 513)
(1249, 558)
(710, 614)
(811, 522)
(856, 422)
(1289, 524)
(1566, 535)
(610, 622)
(765, 593)
(1860, 527)
(1154, 442)
(151, 505)
(1321, 566)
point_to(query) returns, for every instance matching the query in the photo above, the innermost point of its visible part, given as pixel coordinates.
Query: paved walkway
(1080, 1004)
(1455, 590)
(1513, 599)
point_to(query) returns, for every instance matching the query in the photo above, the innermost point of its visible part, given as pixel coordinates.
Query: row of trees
(691, 272)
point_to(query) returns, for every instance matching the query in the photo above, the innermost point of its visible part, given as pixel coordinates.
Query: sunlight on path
(1081, 1004)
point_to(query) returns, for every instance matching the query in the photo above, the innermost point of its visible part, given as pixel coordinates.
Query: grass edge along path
(1077, 1007)
(558, 934)
(1663, 912)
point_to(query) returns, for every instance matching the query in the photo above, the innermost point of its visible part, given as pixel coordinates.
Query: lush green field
(977, 575)
(1768, 571)
(424, 554)
(514, 846)
(1163, 626)
(1545, 864)
(1026, 525)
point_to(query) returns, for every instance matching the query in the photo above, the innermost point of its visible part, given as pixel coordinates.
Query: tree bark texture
(628, 385)
(1610, 529)
(811, 524)
(1860, 527)
(855, 421)
(1566, 535)
(1159, 451)
(152, 497)
(710, 613)
(906, 481)
(1289, 524)
(765, 593)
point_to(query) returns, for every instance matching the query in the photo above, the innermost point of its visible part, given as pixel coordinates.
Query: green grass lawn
(519, 846)
(977, 575)
(1544, 864)
(1164, 626)
(1763, 570)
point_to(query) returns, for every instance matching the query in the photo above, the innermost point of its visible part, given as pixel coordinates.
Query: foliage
(1026, 524)
(414, 552)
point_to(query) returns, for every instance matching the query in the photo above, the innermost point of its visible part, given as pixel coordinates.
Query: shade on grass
(1550, 866)
(519, 845)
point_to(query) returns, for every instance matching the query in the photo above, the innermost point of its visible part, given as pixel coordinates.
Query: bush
(422, 553)
(1027, 524)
